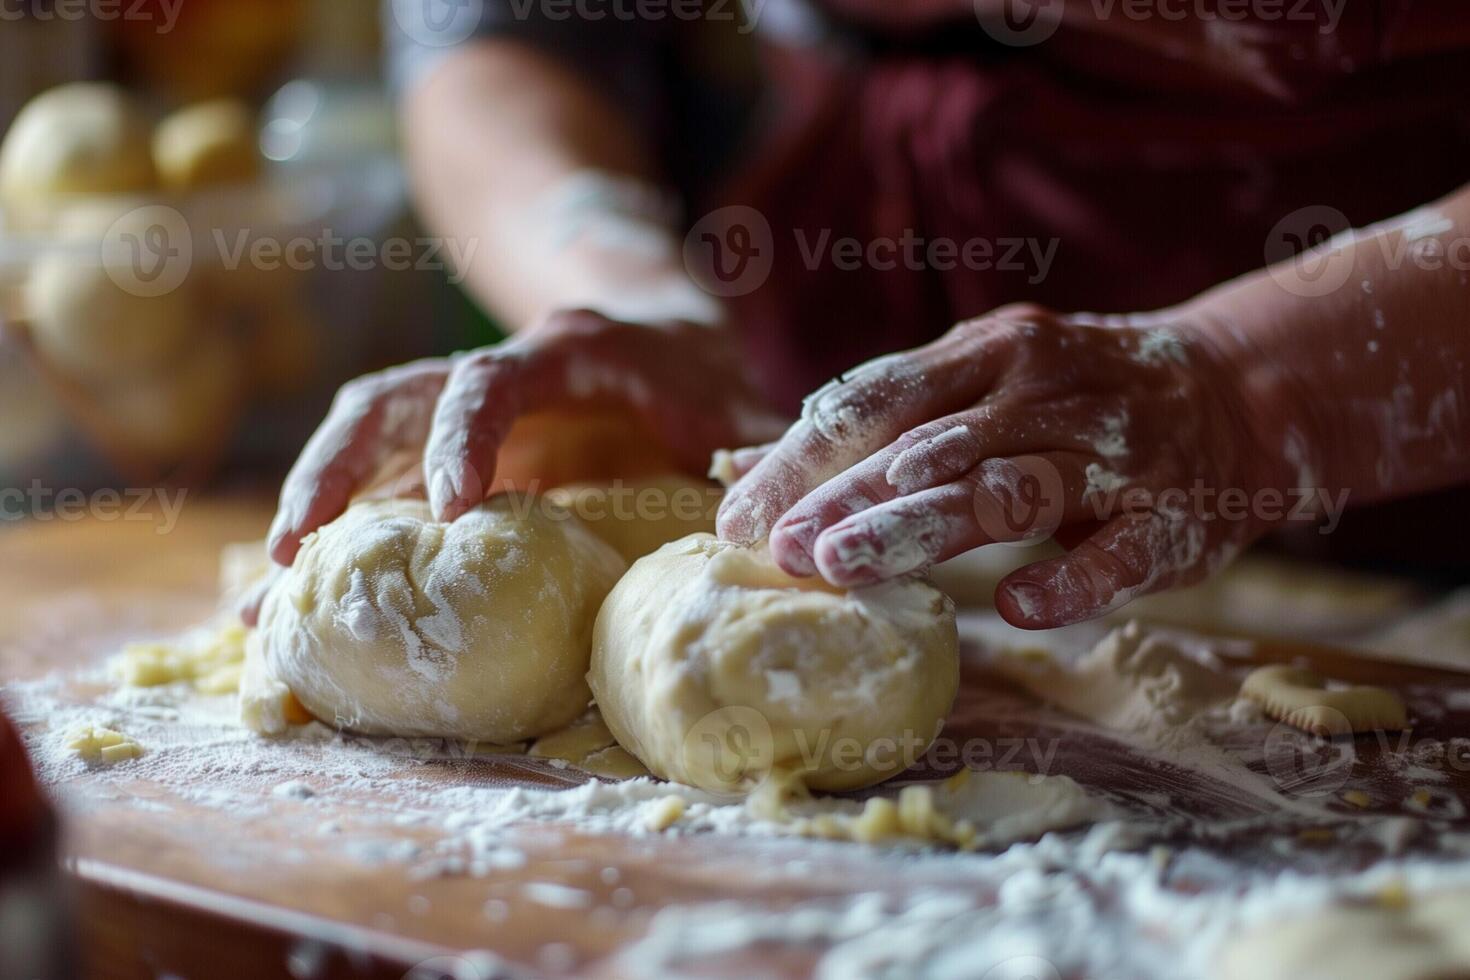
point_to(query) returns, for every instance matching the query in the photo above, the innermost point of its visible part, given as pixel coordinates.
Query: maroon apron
(1111, 168)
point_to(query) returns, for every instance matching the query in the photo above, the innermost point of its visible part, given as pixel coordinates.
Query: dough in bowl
(389, 623)
(716, 668)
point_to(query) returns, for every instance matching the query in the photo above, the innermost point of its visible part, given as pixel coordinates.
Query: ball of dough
(715, 668)
(639, 516)
(206, 144)
(87, 325)
(391, 624)
(84, 138)
(187, 408)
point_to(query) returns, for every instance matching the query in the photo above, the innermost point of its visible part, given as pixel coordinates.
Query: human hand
(1116, 435)
(684, 381)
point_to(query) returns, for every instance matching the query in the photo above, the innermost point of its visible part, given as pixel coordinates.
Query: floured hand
(684, 380)
(1118, 435)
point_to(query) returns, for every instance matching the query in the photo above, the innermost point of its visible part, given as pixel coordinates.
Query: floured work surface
(434, 849)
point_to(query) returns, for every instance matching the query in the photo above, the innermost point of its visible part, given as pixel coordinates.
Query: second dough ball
(206, 144)
(389, 623)
(639, 516)
(716, 668)
(82, 319)
(84, 138)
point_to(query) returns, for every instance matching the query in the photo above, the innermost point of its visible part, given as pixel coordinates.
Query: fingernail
(791, 547)
(1028, 598)
(442, 491)
(280, 530)
(741, 520)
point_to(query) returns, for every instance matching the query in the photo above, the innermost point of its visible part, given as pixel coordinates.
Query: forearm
(1354, 356)
(530, 171)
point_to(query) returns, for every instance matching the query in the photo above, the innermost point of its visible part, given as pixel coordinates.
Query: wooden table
(194, 892)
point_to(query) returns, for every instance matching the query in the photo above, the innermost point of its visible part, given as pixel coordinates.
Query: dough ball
(84, 138)
(714, 667)
(637, 517)
(206, 144)
(87, 325)
(391, 624)
(554, 448)
(183, 410)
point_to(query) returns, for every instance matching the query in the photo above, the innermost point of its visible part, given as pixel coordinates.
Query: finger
(479, 403)
(369, 419)
(1130, 556)
(1002, 500)
(961, 443)
(847, 421)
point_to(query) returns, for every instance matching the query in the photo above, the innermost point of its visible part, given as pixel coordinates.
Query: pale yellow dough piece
(87, 325)
(98, 744)
(207, 143)
(1419, 938)
(1301, 699)
(639, 516)
(716, 669)
(590, 746)
(84, 138)
(389, 623)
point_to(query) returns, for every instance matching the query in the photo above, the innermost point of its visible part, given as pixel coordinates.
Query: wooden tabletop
(180, 889)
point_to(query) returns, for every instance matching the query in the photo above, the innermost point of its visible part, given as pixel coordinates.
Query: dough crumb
(97, 744)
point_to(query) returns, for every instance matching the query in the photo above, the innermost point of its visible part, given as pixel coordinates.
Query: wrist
(1285, 440)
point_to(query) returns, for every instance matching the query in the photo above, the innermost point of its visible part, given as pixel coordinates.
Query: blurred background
(204, 230)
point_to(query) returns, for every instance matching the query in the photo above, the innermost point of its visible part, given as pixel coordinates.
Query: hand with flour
(682, 379)
(1016, 426)
(1153, 447)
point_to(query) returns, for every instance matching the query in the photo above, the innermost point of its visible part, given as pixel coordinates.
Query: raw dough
(716, 668)
(1133, 681)
(207, 143)
(1421, 938)
(1301, 699)
(86, 325)
(639, 516)
(83, 138)
(391, 624)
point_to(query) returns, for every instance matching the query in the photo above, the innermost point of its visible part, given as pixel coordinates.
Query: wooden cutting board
(186, 890)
